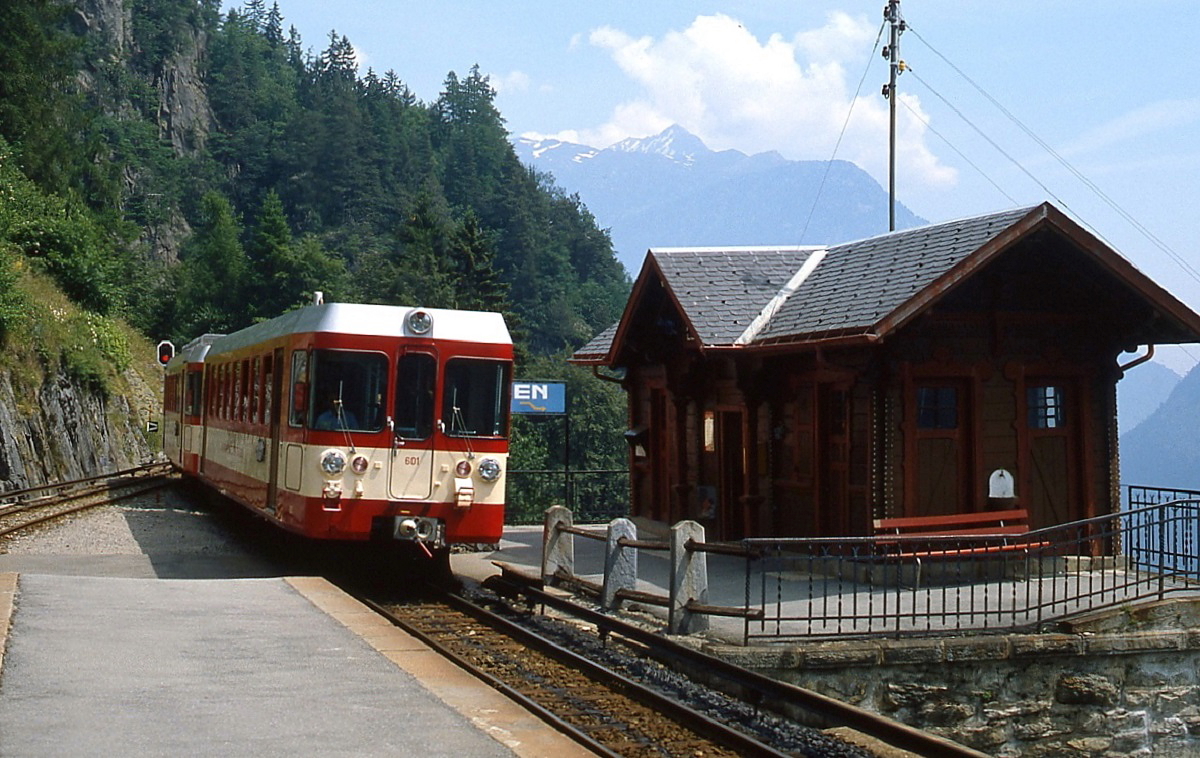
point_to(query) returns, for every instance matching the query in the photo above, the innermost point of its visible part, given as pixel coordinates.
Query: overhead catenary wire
(991, 141)
(845, 124)
(959, 153)
(1087, 182)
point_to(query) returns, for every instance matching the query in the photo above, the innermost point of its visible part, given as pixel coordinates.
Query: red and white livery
(350, 422)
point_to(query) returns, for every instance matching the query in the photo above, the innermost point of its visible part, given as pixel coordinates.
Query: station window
(1045, 407)
(475, 398)
(937, 408)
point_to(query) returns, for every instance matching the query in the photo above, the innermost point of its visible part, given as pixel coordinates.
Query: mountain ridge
(671, 190)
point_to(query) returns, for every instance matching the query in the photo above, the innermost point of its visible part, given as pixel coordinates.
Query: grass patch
(54, 335)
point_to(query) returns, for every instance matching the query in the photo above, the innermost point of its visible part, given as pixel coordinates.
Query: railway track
(794, 704)
(610, 698)
(646, 696)
(35, 506)
(602, 708)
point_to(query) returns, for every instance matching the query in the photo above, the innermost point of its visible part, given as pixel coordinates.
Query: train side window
(239, 391)
(299, 404)
(243, 409)
(227, 382)
(193, 393)
(414, 395)
(223, 401)
(255, 389)
(268, 381)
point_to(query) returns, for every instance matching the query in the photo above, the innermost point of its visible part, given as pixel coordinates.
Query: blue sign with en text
(539, 397)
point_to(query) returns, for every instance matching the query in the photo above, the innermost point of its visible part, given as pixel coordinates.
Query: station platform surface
(104, 666)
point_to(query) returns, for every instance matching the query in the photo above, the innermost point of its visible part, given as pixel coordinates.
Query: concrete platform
(104, 666)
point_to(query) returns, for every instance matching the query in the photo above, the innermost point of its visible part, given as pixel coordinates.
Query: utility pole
(891, 13)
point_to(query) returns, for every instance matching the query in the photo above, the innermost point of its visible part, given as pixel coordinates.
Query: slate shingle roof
(722, 290)
(860, 283)
(598, 347)
(848, 289)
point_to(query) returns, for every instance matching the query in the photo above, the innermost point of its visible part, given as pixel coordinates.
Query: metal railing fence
(898, 585)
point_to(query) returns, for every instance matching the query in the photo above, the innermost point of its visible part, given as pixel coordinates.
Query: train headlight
(419, 322)
(333, 462)
(463, 469)
(359, 464)
(489, 469)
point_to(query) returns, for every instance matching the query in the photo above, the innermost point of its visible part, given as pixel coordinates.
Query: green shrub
(12, 300)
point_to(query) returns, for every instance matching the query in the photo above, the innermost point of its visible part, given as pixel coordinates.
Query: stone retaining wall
(1122, 683)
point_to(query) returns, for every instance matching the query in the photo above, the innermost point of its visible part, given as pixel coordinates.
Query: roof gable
(746, 297)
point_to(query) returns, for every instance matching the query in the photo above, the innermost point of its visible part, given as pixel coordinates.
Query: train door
(207, 406)
(273, 404)
(410, 474)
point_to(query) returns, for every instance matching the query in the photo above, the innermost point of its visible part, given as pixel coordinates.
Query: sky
(1087, 104)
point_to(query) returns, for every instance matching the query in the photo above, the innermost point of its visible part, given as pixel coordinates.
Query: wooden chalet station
(954, 368)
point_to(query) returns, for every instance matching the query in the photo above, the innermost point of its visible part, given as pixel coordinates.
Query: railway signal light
(166, 351)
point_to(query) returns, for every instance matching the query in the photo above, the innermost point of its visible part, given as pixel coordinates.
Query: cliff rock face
(184, 114)
(64, 432)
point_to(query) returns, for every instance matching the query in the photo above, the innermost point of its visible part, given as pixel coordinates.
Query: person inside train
(334, 414)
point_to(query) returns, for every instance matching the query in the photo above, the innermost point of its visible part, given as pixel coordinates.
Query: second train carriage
(348, 422)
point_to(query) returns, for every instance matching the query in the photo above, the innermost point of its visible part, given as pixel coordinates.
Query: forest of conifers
(304, 173)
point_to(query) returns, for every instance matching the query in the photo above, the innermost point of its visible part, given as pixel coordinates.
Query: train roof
(368, 321)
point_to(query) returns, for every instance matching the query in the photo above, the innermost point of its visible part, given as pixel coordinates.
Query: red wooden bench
(953, 536)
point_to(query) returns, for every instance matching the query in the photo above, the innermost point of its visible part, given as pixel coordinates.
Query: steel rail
(546, 715)
(146, 468)
(683, 715)
(148, 482)
(755, 688)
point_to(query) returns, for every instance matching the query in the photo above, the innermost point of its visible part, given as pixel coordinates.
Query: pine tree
(41, 115)
(267, 255)
(478, 285)
(214, 272)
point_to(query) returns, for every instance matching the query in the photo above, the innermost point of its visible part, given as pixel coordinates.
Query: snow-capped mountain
(671, 190)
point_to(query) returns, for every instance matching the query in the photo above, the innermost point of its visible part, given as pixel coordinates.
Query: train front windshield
(475, 398)
(350, 390)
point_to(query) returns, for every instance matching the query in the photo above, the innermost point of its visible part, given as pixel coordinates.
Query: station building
(804, 391)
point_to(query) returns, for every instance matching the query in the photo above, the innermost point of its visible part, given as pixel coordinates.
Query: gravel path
(161, 534)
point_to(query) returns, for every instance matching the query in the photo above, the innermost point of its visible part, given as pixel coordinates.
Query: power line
(989, 140)
(845, 124)
(1110, 202)
(960, 153)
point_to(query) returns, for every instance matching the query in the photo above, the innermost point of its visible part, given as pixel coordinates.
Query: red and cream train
(351, 422)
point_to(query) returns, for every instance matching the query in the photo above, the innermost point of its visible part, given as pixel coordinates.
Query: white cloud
(513, 81)
(1140, 122)
(719, 81)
